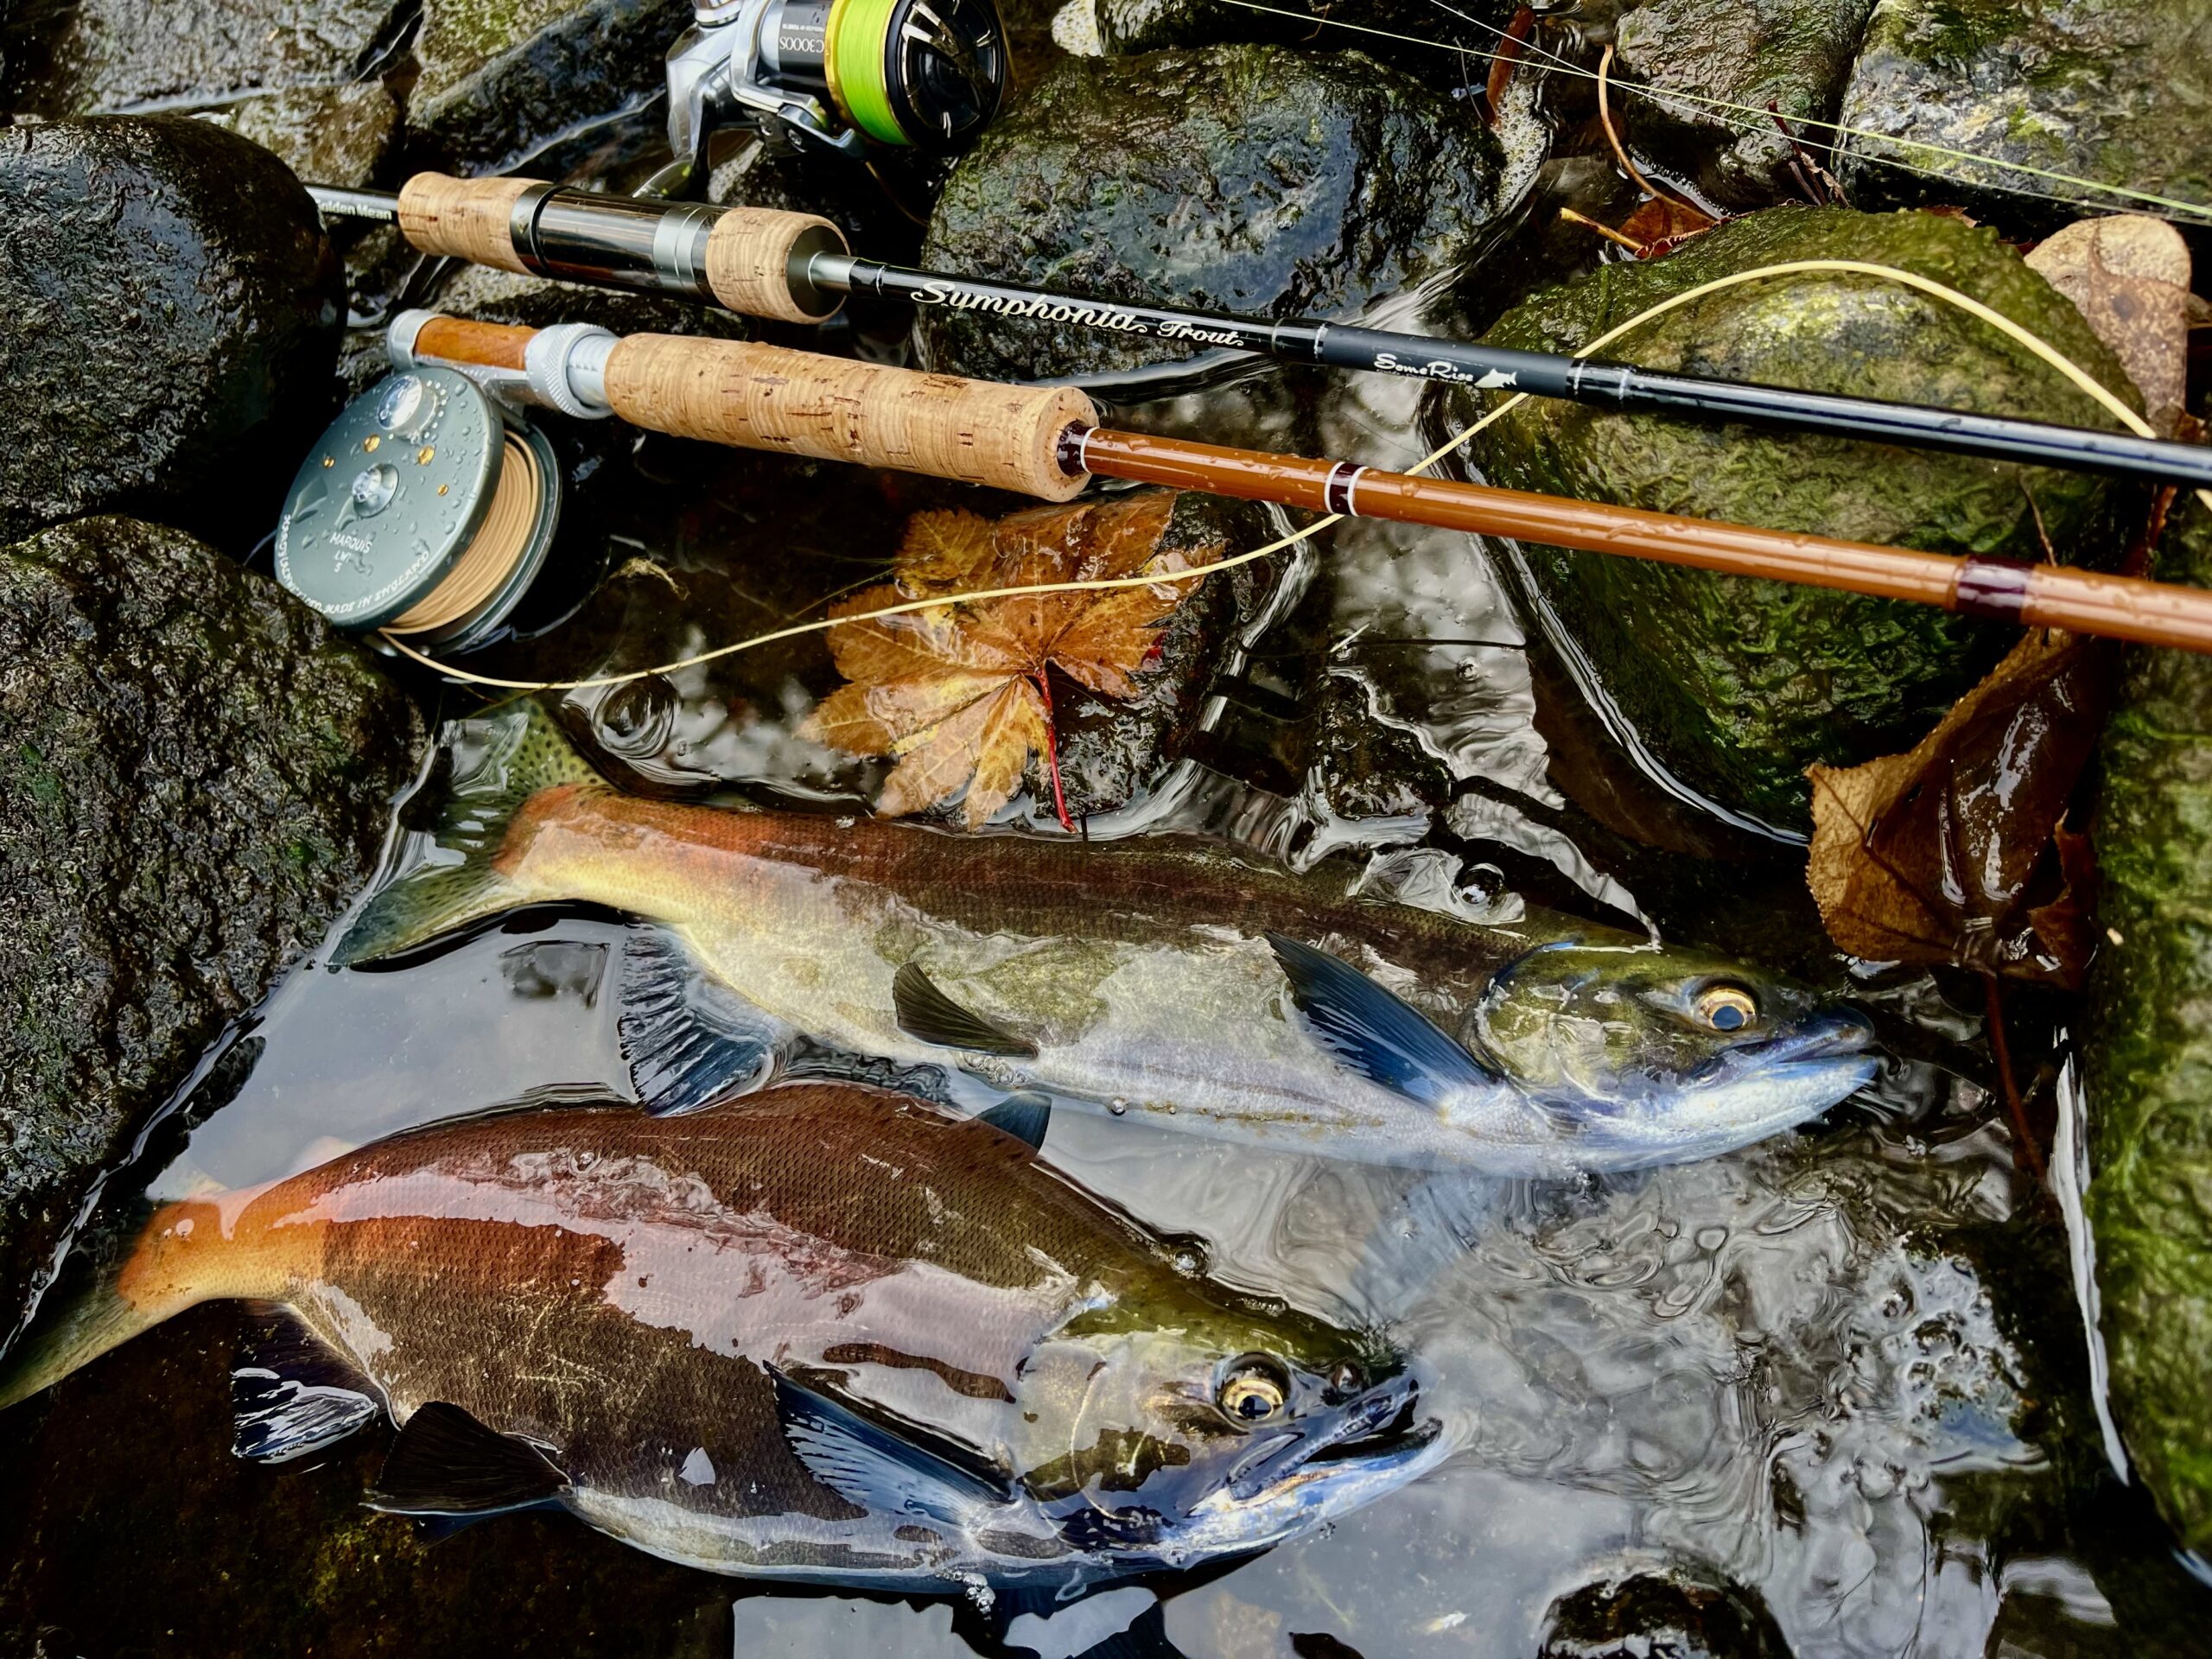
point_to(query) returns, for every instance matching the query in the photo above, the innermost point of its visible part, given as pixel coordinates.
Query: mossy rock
(1251, 178)
(1792, 56)
(195, 774)
(2113, 91)
(1736, 686)
(2150, 1060)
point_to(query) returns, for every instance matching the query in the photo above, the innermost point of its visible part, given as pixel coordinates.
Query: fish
(823, 1333)
(1166, 978)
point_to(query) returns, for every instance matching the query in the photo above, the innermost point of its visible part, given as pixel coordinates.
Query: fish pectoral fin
(1026, 1116)
(873, 1469)
(926, 1014)
(289, 1394)
(445, 1462)
(688, 1039)
(1372, 1031)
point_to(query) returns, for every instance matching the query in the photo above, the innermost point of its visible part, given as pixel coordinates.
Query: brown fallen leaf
(1955, 852)
(1510, 47)
(961, 693)
(2129, 276)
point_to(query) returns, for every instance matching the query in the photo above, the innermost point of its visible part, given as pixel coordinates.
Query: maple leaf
(961, 692)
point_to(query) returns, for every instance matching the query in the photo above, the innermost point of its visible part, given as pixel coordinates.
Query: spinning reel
(834, 76)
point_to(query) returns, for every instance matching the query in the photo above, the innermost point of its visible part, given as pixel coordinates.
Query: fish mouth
(1375, 1434)
(1822, 1039)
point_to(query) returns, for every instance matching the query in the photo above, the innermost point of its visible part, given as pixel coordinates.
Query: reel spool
(424, 511)
(917, 75)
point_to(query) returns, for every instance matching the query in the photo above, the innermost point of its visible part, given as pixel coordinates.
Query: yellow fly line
(2050, 355)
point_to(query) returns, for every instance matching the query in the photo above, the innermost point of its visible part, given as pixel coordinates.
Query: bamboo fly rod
(796, 267)
(1047, 441)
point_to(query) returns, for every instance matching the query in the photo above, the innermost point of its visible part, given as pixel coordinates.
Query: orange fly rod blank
(1045, 441)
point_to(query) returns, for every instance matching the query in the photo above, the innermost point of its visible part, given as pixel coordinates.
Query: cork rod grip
(749, 262)
(464, 217)
(760, 397)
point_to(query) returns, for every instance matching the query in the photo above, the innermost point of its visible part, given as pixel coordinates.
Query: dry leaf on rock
(961, 692)
(1955, 852)
(2129, 276)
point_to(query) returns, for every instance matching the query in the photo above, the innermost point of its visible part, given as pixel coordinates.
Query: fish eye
(1255, 1391)
(1726, 1008)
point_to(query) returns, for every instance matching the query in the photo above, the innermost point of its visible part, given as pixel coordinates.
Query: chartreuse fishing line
(1043, 441)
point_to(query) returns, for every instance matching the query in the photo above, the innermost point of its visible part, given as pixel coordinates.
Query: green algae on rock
(2103, 89)
(180, 311)
(1243, 178)
(1736, 686)
(2149, 1055)
(195, 774)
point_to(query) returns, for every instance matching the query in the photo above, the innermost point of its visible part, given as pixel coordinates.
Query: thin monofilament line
(2080, 376)
(2195, 212)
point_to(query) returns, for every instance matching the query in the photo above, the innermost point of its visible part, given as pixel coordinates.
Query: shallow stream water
(1844, 1372)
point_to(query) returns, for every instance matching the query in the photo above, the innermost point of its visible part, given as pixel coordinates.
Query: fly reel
(836, 75)
(426, 510)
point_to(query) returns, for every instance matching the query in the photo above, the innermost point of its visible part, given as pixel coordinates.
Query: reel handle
(757, 397)
(751, 260)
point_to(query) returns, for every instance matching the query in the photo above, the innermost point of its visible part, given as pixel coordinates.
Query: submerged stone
(179, 312)
(1733, 685)
(1793, 55)
(2148, 1057)
(1111, 752)
(500, 78)
(195, 775)
(108, 55)
(2110, 93)
(1683, 1614)
(331, 135)
(1242, 178)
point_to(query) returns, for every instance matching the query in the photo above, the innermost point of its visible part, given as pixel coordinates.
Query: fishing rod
(796, 268)
(1047, 441)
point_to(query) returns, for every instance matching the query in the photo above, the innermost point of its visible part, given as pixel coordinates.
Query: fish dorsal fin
(445, 1462)
(873, 1469)
(1374, 1031)
(289, 1394)
(1026, 1116)
(689, 1040)
(926, 1013)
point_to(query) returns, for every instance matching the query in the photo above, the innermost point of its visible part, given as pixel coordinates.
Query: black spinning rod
(797, 267)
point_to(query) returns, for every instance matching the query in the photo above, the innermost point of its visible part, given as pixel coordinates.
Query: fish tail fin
(512, 758)
(84, 1331)
(91, 1308)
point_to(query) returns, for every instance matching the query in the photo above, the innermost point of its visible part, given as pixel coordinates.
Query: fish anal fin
(927, 1014)
(1026, 1116)
(290, 1394)
(1372, 1031)
(688, 1039)
(445, 1462)
(873, 1469)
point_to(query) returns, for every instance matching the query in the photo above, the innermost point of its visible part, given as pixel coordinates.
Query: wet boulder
(1242, 178)
(1793, 55)
(329, 134)
(1112, 751)
(2110, 93)
(1685, 1613)
(174, 314)
(1429, 32)
(1735, 686)
(2149, 1054)
(104, 55)
(499, 81)
(196, 776)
